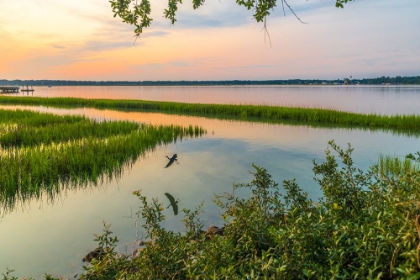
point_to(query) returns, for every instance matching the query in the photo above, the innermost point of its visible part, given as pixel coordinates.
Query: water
(362, 99)
(52, 237)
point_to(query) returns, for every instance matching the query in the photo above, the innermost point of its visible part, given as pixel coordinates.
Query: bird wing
(169, 163)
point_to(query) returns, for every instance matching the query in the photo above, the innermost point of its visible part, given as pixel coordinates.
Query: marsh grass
(41, 158)
(24, 135)
(406, 123)
(389, 166)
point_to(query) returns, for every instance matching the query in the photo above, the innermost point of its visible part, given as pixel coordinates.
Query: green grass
(389, 166)
(404, 123)
(43, 153)
(35, 129)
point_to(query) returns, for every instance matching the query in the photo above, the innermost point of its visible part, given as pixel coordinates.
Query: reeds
(243, 112)
(24, 135)
(389, 166)
(48, 158)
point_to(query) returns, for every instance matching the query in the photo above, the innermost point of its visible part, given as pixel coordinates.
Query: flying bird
(171, 160)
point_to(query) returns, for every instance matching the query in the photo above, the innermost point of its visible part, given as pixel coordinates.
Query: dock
(27, 89)
(9, 89)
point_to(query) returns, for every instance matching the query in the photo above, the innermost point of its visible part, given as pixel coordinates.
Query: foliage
(398, 80)
(366, 226)
(9, 276)
(137, 13)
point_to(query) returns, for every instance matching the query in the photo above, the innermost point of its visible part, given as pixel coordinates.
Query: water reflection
(388, 100)
(172, 203)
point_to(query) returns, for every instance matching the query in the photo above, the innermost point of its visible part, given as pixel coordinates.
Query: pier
(9, 89)
(27, 89)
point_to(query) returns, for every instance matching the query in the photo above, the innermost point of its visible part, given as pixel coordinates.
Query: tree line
(398, 80)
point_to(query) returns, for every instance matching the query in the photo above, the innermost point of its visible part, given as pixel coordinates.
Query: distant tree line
(415, 80)
(398, 80)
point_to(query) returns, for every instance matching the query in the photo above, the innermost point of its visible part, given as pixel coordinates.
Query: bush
(366, 226)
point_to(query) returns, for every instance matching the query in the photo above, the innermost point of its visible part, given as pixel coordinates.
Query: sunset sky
(80, 40)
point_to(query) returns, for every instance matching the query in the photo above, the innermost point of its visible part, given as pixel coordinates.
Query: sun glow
(58, 39)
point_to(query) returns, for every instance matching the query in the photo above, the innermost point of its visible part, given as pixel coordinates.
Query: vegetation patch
(43, 153)
(366, 226)
(398, 123)
(389, 166)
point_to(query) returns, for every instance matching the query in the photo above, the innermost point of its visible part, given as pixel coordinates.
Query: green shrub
(366, 226)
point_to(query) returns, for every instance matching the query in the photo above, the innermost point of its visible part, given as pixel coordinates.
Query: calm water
(363, 99)
(52, 237)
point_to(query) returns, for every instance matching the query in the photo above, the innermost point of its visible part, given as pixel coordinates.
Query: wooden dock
(27, 89)
(9, 89)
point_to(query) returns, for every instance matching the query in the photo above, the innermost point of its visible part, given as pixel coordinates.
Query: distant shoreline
(414, 80)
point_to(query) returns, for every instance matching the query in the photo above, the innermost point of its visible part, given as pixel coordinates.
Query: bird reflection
(171, 160)
(174, 203)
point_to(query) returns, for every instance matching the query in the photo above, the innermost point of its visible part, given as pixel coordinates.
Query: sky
(81, 40)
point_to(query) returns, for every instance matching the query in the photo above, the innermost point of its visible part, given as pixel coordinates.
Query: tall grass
(390, 166)
(245, 112)
(31, 118)
(46, 159)
(23, 135)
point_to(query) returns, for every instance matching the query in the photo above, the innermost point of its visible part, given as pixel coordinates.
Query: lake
(53, 236)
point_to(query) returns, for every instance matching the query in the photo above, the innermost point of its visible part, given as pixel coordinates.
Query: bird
(171, 160)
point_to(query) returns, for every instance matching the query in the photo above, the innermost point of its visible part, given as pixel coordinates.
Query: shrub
(366, 226)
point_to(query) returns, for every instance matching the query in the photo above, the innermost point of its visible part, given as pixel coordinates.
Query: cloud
(103, 45)
(218, 41)
(215, 14)
(179, 63)
(58, 46)
(305, 6)
(154, 34)
(4, 34)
